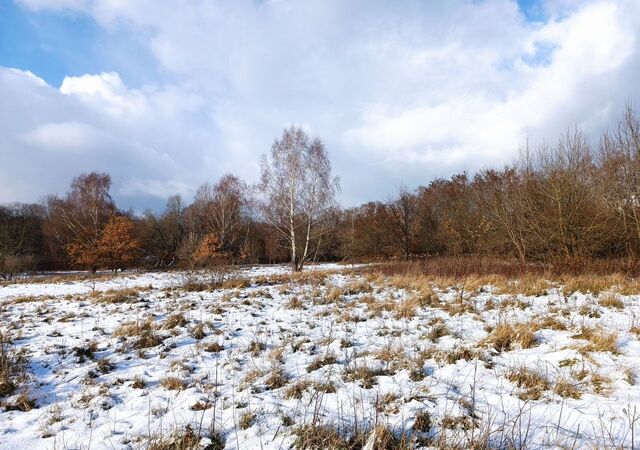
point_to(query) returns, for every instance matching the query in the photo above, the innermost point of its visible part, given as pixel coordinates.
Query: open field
(331, 358)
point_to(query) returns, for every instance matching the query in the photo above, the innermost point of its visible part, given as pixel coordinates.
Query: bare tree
(298, 188)
(77, 220)
(403, 213)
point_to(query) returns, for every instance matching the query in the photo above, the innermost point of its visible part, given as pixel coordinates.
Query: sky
(168, 94)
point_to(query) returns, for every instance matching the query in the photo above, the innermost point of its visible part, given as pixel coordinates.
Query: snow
(80, 406)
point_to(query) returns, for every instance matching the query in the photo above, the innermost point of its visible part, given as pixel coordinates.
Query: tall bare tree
(298, 188)
(78, 220)
(403, 214)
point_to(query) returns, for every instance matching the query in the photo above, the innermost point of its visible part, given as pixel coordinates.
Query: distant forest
(573, 199)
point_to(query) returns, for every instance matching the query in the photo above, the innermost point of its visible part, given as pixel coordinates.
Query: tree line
(572, 199)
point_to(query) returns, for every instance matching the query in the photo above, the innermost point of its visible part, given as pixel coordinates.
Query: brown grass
(185, 439)
(321, 361)
(12, 367)
(534, 382)
(129, 329)
(173, 383)
(567, 389)
(247, 419)
(366, 376)
(213, 347)
(422, 422)
(611, 300)
(599, 340)
(506, 336)
(277, 379)
(175, 320)
(130, 295)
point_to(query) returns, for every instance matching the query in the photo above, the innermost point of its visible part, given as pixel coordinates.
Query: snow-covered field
(317, 360)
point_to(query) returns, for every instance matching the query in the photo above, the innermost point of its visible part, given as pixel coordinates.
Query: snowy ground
(261, 361)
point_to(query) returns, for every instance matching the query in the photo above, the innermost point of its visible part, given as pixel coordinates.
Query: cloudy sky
(167, 94)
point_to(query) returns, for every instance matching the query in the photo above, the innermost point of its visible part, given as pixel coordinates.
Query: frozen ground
(263, 361)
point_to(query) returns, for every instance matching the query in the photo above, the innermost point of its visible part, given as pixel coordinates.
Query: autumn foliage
(118, 247)
(210, 252)
(570, 204)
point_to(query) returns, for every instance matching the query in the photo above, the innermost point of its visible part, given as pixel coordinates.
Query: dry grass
(297, 389)
(322, 361)
(175, 320)
(506, 337)
(137, 328)
(366, 376)
(534, 382)
(566, 389)
(610, 300)
(247, 419)
(438, 329)
(7, 367)
(334, 294)
(198, 332)
(594, 284)
(118, 295)
(381, 437)
(277, 379)
(599, 340)
(213, 347)
(450, 356)
(422, 422)
(529, 284)
(173, 383)
(185, 439)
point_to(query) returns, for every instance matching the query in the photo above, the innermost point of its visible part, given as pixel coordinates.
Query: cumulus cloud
(400, 91)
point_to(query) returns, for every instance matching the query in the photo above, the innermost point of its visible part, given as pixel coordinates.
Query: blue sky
(166, 98)
(55, 45)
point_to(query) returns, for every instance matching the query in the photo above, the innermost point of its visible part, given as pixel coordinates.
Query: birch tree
(298, 188)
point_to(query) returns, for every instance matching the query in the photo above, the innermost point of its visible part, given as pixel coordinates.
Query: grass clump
(327, 437)
(566, 389)
(247, 419)
(506, 337)
(185, 439)
(277, 378)
(321, 362)
(532, 381)
(214, 347)
(173, 384)
(599, 340)
(422, 422)
(175, 320)
(611, 300)
(366, 376)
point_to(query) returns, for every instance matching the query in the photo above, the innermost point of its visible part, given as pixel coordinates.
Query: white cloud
(64, 136)
(106, 89)
(399, 90)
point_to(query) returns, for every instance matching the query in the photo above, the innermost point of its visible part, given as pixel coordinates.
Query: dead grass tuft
(599, 340)
(173, 383)
(506, 336)
(175, 320)
(247, 419)
(610, 300)
(185, 439)
(322, 361)
(566, 389)
(277, 379)
(534, 382)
